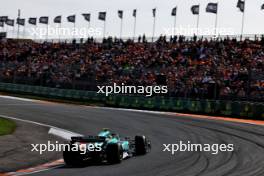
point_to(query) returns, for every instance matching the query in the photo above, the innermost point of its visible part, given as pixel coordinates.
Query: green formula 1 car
(107, 147)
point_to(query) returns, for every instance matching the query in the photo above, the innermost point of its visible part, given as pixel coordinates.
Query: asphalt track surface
(246, 160)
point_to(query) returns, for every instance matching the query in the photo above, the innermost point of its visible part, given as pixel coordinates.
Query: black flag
(32, 21)
(1, 24)
(20, 21)
(120, 13)
(44, 20)
(71, 18)
(262, 7)
(134, 12)
(57, 19)
(154, 12)
(102, 16)
(3, 18)
(212, 7)
(87, 16)
(174, 11)
(195, 9)
(241, 5)
(10, 22)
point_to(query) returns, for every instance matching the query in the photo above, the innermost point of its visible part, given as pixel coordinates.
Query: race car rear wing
(87, 139)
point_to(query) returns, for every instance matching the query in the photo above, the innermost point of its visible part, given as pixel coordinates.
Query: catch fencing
(252, 110)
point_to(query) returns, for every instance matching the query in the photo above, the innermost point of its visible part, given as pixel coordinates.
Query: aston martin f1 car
(107, 147)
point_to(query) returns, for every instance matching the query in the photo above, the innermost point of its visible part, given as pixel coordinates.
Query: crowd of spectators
(215, 68)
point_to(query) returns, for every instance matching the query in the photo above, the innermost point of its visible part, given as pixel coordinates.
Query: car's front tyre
(141, 145)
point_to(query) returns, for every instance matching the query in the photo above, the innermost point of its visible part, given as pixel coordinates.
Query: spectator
(193, 68)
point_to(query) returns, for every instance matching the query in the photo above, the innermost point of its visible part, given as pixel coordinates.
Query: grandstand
(223, 68)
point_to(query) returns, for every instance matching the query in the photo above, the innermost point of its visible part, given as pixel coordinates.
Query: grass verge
(6, 126)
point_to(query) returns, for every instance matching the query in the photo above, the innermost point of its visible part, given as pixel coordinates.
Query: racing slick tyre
(141, 147)
(114, 153)
(73, 158)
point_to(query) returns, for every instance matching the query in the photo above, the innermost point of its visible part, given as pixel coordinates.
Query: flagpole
(35, 32)
(18, 16)
(14, 31)
(89, 25)
(47, 33)
(174, 27)
(135, 23)
(74, 27)
(4, 28)
(243, 19)
(24, 33)
(104, 28)
(121, 27)
(59, 26)
(7, 31)
(154, 25)
(198, 21)
(216, 18)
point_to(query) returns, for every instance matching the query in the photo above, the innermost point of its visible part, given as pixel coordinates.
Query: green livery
(105, 147)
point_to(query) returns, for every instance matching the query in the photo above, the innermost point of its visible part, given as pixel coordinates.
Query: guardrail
(254, 110)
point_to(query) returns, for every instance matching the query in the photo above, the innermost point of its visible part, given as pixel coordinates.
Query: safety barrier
(227, 108)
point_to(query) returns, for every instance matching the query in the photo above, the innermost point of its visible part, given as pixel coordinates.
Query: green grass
(6, 126)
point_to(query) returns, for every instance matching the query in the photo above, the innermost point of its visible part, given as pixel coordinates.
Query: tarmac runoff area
(16, 149)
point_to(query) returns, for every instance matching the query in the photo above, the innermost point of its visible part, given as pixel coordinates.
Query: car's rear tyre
(141, 145)
(114, 153)
(73, 158)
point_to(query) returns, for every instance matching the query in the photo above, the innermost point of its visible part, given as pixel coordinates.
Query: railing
(150, 39)
(213, 91)
(246, 109)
